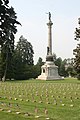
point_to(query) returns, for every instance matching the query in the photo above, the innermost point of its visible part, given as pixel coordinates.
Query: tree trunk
(5, 72)
(0, 79)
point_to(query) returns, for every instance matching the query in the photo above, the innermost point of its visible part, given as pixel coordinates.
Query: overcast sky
(32, 15)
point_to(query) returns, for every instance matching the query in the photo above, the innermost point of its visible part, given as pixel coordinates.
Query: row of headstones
(54, 102)
(42, 98)
(40, 85)
(28, 95)
(37, 91)
(37, 111)
(38, 88)
(34, 113)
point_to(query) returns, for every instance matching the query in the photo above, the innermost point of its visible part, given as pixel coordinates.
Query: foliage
(7, 30)
(69, 67)
(63, 71)
(40, 63)
(61, 65)
(76, 52)
(38, 66)
(58, 63)
(23, 59)
(77, 32)
(25, 51)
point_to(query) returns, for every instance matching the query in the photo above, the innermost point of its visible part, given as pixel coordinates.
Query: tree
(76, 52)
(40, 63)
(61, 65)
(19, 68)
(63, 71)
(0, 66)
(58, 63)
(25, 50)
(23, 59)
(38, 66)
(70, 68)
(7, 30)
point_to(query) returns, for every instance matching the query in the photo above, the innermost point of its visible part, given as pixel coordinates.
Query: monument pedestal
(49, 72)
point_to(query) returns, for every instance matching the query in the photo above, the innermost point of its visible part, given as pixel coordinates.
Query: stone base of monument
(49, 72)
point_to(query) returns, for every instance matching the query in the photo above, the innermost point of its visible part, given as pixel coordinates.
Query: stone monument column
(49, 48)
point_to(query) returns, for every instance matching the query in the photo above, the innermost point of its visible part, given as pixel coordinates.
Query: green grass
(60, 98)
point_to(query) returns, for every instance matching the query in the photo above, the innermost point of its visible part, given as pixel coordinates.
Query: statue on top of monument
(49, 16)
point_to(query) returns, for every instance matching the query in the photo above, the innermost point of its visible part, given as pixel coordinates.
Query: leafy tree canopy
(25, 50)
(76, 52)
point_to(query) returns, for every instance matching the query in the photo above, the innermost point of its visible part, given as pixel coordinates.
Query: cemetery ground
(40, 100)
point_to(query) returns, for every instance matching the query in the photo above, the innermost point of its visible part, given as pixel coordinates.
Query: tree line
(16, 62)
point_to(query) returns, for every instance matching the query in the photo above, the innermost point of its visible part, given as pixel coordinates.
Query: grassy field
(40, 100)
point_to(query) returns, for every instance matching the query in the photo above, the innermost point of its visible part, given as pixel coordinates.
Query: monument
(49, 71)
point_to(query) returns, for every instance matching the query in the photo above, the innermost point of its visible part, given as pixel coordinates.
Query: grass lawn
(40, 100)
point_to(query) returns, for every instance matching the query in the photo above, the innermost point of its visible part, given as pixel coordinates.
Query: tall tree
(0, 67)
(23, 59)
(25, 50)
(7, 30)
(76, 52)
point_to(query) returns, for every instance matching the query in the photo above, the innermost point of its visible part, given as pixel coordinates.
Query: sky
(32, 15)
